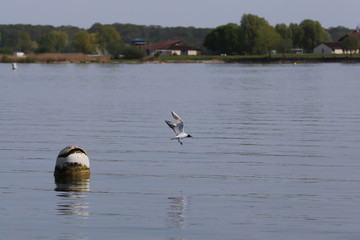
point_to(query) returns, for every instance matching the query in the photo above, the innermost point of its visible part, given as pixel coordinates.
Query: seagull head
(189, 136)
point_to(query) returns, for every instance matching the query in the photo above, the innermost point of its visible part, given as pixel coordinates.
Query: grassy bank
(55, 58)
(276, 58)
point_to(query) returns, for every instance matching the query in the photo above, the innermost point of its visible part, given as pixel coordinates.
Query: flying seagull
(178, 128)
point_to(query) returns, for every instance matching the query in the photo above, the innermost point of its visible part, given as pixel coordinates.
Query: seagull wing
(173, 126)
(177, 118)
(179, 123)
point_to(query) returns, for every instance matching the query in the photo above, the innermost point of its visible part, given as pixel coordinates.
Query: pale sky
(170, 13)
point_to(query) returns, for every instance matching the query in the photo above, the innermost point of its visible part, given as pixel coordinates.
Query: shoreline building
(170, 48)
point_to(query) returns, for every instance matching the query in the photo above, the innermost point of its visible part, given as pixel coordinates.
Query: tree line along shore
(253, 40)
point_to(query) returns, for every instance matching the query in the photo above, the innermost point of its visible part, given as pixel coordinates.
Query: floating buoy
(294, 63)
(72, 161)
(14, 66)
(162, 62)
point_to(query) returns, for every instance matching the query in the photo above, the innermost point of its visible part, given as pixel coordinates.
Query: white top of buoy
(72, 155)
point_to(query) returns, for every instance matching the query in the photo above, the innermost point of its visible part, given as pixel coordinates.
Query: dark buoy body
(72, 161)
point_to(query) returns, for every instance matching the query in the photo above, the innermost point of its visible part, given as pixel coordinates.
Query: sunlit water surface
(275, 153)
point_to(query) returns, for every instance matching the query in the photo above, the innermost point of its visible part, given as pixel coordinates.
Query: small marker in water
(72, 161)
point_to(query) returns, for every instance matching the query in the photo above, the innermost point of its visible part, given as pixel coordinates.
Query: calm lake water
(275, 155)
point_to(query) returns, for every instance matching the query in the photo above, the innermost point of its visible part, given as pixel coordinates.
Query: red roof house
(335, 47)
(355, 33)
(170, 48)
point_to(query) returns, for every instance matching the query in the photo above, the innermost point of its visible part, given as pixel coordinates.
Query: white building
(329, 47)
(19, 54)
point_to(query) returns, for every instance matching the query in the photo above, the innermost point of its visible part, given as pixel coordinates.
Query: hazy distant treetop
(338, 32)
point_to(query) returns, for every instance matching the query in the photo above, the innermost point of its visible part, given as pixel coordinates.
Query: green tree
(327, 36)
(109, 40)
(54, 41)
(283, 30)
(313, 34)
(94, 40)
(267, 39)
(350, 44)
(285, 42)
(223, 39)
(83, 43)
(296, 33)
(24, 42)
(115, 47)
(61, 40)
(133, 52)
(249, 31)
(47, 43)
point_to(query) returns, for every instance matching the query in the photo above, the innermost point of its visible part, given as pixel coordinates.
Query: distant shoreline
(249, 60)
(297, 60)
(260, 59)
(264, 59)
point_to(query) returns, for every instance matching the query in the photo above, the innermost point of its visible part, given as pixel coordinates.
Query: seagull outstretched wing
(178, 126)
(178, 120)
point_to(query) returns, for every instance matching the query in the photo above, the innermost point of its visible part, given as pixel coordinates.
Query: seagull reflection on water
(176, 213)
